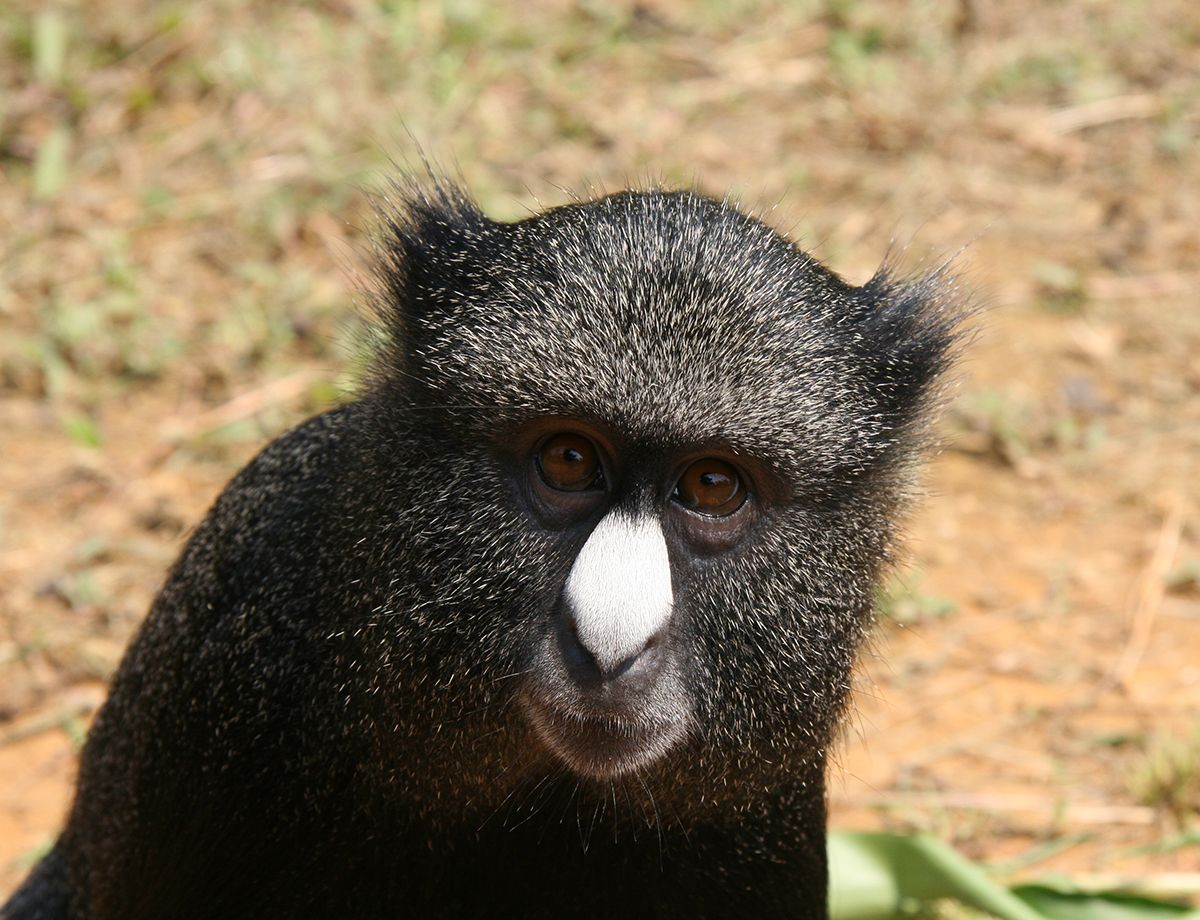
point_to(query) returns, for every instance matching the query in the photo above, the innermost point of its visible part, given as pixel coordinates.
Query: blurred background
(184, 224)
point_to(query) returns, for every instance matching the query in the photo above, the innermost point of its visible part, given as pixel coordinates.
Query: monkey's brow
(662, 435)
(769, 449)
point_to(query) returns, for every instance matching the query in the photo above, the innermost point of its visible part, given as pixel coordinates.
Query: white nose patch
(619, 589)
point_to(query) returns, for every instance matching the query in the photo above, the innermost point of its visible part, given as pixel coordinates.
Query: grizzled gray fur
(556, 619)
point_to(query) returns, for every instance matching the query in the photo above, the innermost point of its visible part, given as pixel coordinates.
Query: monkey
(556, 617)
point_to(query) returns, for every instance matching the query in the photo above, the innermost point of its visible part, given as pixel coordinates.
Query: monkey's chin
(602, 746)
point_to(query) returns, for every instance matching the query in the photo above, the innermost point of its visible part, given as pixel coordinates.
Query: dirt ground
(181, 197)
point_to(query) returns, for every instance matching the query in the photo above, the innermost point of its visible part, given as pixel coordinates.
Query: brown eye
(570, 463)
(710, 486)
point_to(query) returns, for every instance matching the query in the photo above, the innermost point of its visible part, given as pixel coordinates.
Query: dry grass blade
(1150, 595)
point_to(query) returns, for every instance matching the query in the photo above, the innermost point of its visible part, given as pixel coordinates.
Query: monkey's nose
(617, 600)
(591, 666)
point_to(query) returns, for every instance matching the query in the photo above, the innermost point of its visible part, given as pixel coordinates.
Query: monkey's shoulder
(271, 537)
(284, 489)
(300, 464)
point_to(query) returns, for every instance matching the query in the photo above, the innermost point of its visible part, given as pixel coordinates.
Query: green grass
(1167, 776)
(905, 600)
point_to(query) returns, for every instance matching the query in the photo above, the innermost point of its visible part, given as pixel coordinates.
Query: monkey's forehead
(639, 262)
(667, 383)
(666, 316)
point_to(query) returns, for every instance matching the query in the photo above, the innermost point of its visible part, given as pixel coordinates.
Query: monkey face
(662, 453)
(608, 692)
(660, 571)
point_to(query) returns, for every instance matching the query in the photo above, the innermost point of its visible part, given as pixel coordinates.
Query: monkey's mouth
(602, 746)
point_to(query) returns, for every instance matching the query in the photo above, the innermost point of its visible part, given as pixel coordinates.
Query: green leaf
(1063, 904)
(872, 875)
(879, 876)
(862, 886)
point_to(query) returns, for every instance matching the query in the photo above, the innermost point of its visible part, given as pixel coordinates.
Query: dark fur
(318, 717)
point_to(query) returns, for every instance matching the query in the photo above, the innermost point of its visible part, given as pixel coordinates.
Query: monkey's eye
(570, 463)
(710, 486)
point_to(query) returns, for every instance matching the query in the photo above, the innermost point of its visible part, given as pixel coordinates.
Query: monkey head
(654, 456)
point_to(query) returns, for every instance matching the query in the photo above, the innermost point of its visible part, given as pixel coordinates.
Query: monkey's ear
(432, 246)
(911, 333)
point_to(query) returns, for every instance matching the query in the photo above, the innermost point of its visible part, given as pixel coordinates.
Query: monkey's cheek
(604, 746)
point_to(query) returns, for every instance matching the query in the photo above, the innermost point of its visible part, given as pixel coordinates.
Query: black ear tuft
(912, 331)
(431, 237)
(433, 249)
